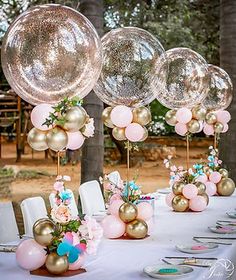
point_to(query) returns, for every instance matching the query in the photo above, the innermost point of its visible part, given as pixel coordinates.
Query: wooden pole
(58, 163)
(128, 168)
(187, 151)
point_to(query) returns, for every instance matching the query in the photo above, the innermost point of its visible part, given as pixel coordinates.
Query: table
(125, 259)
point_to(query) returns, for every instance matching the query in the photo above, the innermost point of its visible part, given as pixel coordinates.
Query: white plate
(223, 230)
(226, 223)
(153, 271)
(197, 248)
(231, 215)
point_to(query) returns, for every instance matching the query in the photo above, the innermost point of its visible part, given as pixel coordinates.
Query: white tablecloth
(125, 259)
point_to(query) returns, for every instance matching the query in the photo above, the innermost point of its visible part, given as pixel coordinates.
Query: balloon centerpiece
(61, 241)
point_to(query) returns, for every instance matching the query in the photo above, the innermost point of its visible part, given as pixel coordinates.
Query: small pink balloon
(114, 207)
(30, 255)
(113, 227)
(215, 177)
(145, 211)
(184, 115)
(208, 129)
(210, 188)
(121, 116)
(181, 129)
(134, 132)
(39, 115)
(190, 191)
(75, 140)
(202, 178)
(169, 198)
(226, 128)
(150, 224)
(198, 203)
(77, 264)
(223, 116)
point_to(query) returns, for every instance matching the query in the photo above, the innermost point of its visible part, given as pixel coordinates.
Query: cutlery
(194, 258)
(186, 263)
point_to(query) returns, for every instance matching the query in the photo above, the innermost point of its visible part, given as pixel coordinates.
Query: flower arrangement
(63, 240)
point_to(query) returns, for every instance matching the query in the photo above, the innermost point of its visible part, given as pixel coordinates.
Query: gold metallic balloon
(142, 115)
(218, 127)
(180, 203)
(193, 126)
(106, 117)
(119, 133)
(211, 118)
(56, 264)
(128, 212)
(224, 173)
(199, 112)
(145, 134)
(206, 197)
(75, 119)
(177, 188)
(57, 139)
(170, 117)
(42, 231)
(201, 187)
(226, 187)
(37, 139)
(137, 229)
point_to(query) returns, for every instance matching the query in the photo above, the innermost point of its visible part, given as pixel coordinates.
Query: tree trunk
(93, 148)
(228, 63)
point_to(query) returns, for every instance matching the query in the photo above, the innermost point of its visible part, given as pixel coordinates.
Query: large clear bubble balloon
(131, 67)
(220, 92)
(187, 80)
(51, 52)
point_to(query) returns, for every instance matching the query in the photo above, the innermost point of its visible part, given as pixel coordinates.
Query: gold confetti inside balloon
(42, 231)
(180, 203)
(56, 264)
(128, 212)
(220, 92)
(131, 73)
(226, 187)
(51, 52)
(188, 80)
(37, 139)
(137, 229)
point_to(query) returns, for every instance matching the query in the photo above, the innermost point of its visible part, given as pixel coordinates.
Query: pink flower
(173, 168)
(172, 173)
(58, 186)
(107, 186)
(61, 214)
(89, 128)
(219, 161)
(59, 177)
(180, 168)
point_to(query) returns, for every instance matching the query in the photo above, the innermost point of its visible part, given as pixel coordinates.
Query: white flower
(66, 178)
(61, 214)
(89, 128)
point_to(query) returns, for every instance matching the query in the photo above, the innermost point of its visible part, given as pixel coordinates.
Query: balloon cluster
(60, 127)
(127, 219)
(126, 123)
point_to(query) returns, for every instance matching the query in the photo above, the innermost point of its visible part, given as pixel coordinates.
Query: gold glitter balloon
(211, 118)
(75, 119)
(57, 139)
(142, 115)
(220, 92)
(201, 187)
(218, 127)
(224, 173)
(128, 212)
(170, 117)
(56, 264)
(37, 139)
(132, 61)
(199, 112)
(177, 188)
(180, 203)
(225, 187)
(119, 133)
(206, 197)
(42, 230)
(145, 134)
(137, 229)
(51, 52)
(106, 117)
(188, 80)
(193, 126)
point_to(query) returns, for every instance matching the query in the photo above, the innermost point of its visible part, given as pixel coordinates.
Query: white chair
(72, 205)
(8, 227)
(92, 201)
(114, 177)
(32, 209)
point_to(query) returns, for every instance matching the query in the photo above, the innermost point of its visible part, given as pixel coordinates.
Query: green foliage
(6, 172)
(31, 174)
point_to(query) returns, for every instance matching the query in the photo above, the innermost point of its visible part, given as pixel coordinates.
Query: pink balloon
(121, 116)
(134, 132)
(215, 177)
(208, 129)
(226, 128)
(181, 129)
(183, 115)
(113, 227)
(202, 178)
(210, 188)
(75, 140)
(114, 207)
(190, 191)
(39, 115)
(169, 198)
(223, 116)
(30, 255)
(77, 264)
(150, 224)
(198, 203)
(145, 211)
